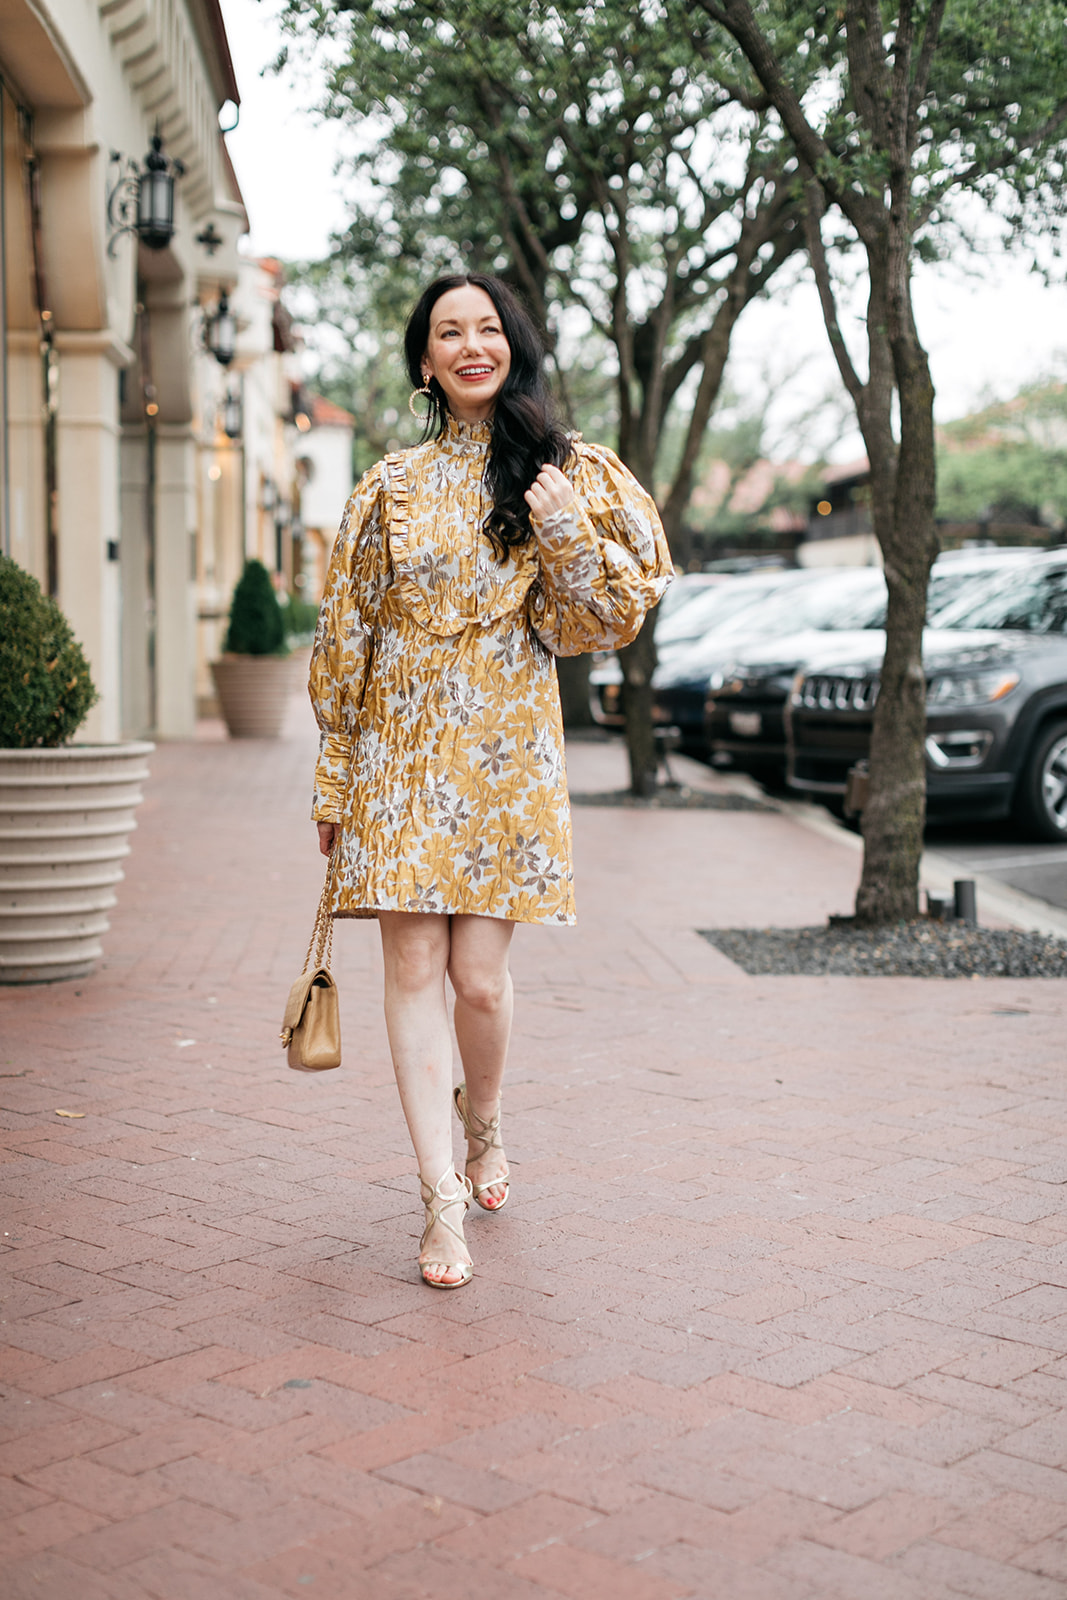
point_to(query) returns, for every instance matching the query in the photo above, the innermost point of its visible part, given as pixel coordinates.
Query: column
(87, 514)
(175, 581)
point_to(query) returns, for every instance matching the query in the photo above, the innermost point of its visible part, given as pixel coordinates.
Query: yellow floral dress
(432, 678)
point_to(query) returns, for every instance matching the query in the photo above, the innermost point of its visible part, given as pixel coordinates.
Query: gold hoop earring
(426, 390)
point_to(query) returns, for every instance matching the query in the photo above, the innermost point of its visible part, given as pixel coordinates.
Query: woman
(440, 786)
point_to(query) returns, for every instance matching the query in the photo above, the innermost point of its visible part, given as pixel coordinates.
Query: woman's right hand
(328, 832)
(549, 493)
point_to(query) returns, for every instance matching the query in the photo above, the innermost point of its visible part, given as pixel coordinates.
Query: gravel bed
(920, 949)
(667, 798)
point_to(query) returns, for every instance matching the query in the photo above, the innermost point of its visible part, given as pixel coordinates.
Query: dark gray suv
(996, 674)
(747, 687)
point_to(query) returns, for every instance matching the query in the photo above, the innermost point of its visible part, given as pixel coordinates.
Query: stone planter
(253, 693)
(65, 820)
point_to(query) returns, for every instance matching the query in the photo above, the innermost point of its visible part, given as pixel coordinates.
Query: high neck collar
(467, 433)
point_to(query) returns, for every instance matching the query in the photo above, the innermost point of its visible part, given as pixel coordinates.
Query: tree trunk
(886, 101)
(573, 675)
(895, 815)
(638, 661)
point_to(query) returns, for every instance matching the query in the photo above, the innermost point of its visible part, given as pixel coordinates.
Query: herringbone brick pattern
(778, 1310)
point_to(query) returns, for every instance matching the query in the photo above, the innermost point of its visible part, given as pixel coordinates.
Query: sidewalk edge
(936, 871)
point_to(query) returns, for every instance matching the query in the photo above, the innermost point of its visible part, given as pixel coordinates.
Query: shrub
(46, 691)
(300, 619)
(257, 626)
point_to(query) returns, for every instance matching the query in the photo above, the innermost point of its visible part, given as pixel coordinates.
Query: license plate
(746, 724)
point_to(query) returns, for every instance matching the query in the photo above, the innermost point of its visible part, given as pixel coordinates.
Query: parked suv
(681, 681)
(996, 698)
(746, 688)
(692, 607)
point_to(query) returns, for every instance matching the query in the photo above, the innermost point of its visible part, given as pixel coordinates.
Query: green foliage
(982, 91)
(300, 617)
(995, 109)
(46, 691)
(915, 102)
(583, 152)
(257, 624)
(1008, 462)
(1004, 483)
(627, 167)
(351, 318)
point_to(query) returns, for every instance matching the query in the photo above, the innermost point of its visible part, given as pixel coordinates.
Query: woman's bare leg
(416, 948)
(478, 970)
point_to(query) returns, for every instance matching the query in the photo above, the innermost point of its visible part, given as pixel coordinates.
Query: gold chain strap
(322, 933)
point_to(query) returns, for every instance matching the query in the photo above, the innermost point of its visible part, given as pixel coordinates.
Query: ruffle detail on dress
(507, 583)
(467, 433)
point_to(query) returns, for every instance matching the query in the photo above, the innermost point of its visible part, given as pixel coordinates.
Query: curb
(937, 872)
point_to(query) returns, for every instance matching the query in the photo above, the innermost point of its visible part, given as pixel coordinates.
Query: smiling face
(467, 352)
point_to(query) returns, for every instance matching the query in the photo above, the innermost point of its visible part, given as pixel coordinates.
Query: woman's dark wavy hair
(525, 433)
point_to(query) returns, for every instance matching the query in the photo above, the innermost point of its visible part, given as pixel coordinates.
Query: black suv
(744, 691)
(996, 697)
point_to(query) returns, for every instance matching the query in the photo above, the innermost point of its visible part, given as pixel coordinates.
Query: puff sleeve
(344, 639)
(604, 560)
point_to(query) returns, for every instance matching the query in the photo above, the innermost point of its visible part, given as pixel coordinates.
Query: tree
(351, 321)
(916, 99)
(1007, 462)
(753, 450)
(572, 148)
(1003, 483)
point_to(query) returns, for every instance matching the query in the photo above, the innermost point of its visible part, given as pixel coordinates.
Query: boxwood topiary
(257, 624)
(46, 691)
(300, 619)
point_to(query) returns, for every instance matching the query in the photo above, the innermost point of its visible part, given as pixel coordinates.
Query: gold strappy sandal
(477, 1127)
(435, 1213)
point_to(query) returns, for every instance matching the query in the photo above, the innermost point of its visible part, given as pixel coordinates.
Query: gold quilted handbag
(311, 1027)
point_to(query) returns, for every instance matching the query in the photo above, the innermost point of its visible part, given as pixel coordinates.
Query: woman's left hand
(550, 492)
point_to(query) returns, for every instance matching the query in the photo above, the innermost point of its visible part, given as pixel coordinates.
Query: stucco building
(138, 466)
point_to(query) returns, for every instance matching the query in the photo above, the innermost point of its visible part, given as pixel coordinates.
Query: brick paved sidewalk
(778, 1310)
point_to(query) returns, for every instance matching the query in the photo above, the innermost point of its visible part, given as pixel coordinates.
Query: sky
(989, 328)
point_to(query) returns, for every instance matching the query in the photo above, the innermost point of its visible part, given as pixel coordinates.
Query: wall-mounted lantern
(300, 407)
(220, 331)
(231, 415)
(141, 199)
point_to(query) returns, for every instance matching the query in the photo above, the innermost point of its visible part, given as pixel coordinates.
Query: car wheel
(1042, 794)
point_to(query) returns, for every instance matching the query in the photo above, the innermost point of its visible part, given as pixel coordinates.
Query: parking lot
(775, 674)
(1035, 869)
(1019, 881)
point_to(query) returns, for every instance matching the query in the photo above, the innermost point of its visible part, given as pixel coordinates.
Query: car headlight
(773, 679)
(725, 680)
(950, 690)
